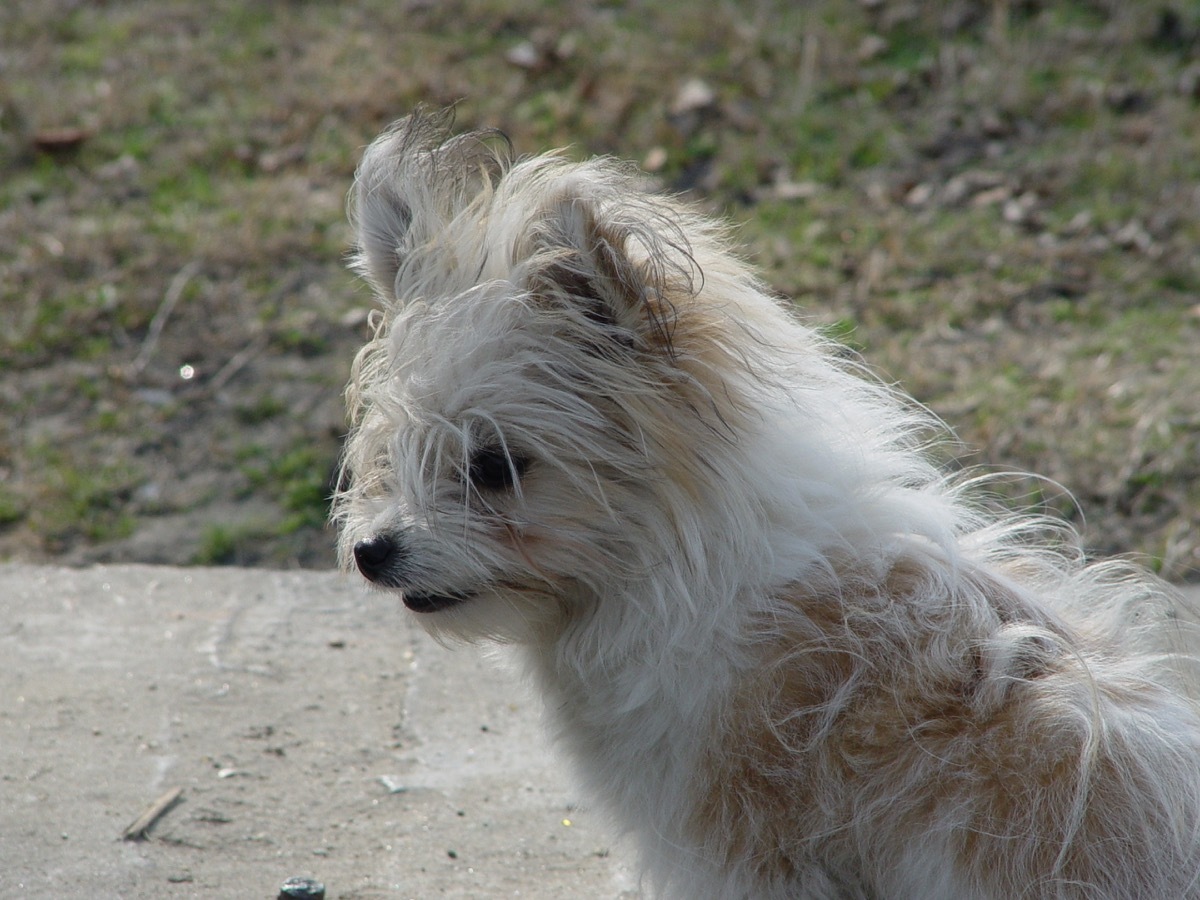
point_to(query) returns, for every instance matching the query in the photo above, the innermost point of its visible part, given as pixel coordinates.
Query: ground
(996, 204)
(304, 728)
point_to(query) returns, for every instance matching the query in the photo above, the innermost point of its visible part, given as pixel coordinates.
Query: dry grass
(997, 202)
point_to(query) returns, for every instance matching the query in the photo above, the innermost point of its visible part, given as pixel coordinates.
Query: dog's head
(535, 419)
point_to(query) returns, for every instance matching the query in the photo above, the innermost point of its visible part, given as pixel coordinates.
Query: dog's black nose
(376, 556)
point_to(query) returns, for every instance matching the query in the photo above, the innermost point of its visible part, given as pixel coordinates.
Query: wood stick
(141, 825)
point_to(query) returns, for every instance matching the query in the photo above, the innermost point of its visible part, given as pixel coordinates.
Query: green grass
(261, 409)
(298, 480)
(80, 499)
(12, 508)
(221, 544)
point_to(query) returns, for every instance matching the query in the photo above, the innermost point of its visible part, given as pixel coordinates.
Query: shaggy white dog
(782, 649)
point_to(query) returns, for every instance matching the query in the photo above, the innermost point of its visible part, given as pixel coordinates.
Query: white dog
(782, 649)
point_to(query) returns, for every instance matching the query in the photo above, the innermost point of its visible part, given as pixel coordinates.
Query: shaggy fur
(782, 649)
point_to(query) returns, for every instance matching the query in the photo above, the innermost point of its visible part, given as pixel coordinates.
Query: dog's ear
(381, 219)
(588, 267)
(412, 180)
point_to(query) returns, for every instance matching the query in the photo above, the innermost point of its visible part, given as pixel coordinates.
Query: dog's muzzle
(381, 558)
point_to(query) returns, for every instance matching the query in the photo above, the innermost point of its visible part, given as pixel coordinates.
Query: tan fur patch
(841, 707)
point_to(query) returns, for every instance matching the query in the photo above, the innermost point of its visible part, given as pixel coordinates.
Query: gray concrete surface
(313, 730)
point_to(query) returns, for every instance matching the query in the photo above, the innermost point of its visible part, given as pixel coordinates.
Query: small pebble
(302, 889)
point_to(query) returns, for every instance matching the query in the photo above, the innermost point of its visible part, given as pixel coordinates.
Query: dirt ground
(997, 203)
(305, 729)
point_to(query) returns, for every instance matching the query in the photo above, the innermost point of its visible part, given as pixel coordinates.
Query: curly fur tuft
(780, 646)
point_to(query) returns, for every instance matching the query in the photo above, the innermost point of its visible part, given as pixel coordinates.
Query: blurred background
(996, 203)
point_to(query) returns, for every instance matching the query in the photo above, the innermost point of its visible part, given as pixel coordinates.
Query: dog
(781, 646)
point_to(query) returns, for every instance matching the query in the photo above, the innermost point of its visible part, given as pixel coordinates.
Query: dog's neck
(636, 718)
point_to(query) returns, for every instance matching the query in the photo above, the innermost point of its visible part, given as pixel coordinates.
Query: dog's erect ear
(588, 266)
(380, 217)
(412, 180)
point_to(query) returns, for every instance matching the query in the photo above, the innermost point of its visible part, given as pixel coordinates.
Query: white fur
(785, 651)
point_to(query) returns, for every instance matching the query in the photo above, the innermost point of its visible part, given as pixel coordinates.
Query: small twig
(237, 362)
(138, 830)
(1138, 454)
(810, 63)
(174, 292)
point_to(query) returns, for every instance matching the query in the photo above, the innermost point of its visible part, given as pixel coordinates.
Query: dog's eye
(494, 469)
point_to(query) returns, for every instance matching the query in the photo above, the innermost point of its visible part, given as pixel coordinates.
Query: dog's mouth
(429, 603)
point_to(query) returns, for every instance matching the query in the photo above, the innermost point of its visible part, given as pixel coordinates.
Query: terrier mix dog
(782, 649)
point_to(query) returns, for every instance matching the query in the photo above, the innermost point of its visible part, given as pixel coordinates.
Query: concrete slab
(313, 730)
